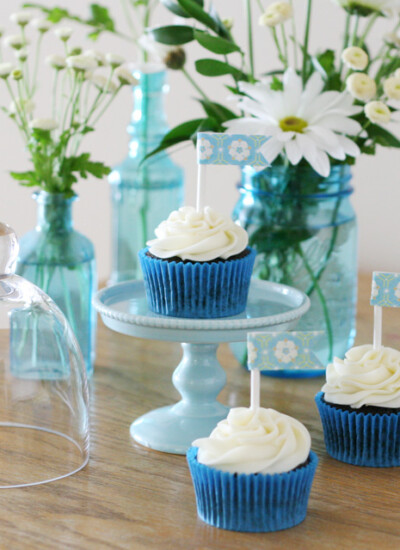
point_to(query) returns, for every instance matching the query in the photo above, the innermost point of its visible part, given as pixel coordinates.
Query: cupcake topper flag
(226, 149)
(276, 351)
(385, 293)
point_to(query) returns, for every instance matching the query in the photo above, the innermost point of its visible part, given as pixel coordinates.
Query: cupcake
(254, 473)
(199, 266)
(360, 407)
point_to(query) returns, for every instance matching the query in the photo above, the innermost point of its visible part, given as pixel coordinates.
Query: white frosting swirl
(198, 236)
(366, 376)
(255, 441)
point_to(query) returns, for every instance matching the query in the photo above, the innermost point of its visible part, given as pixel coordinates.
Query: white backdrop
(376, 179)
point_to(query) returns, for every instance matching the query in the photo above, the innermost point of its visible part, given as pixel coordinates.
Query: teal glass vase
(61, 262)
(304, 230)
(143, 193)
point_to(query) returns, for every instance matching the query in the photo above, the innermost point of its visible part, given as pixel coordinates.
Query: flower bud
(15, 41)
(6, 69)
(17, 74)
(47, 124)
(114, 60)
(58, 62)
(81, 62)
(104, 84)
(41, 25)
(175, 59)
(63, 33)
(21, 18)
(276, 14)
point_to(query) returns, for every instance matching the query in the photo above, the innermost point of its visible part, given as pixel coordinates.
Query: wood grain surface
(135, 498)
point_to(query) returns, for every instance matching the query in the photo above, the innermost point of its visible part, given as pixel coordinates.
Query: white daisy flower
(21, 18)
(6, 69)
(377, 112)
(366, 7)
(63, 33)
(98, 56)
(81, 62)
(56, 61)
(285, 351)
(355, 58)
(276, 14)
(125, 76)
(114, 60)
(21, 104)
(15, 41)
(239, 150)
(391, 87)
(361, 86)
(43, 124)
(303, 123)
(104, 84)
(42, 25)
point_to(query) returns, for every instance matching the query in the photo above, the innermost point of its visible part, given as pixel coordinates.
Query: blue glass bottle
(61, 261)
(142, 194)
(304, 230)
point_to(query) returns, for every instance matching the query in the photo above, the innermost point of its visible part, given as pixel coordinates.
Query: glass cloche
(44, 418)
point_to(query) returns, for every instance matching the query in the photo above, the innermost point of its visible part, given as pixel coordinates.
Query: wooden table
(132, 497)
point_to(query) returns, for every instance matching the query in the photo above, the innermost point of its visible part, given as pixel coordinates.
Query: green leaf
(175, 8)
(215, 44)
(55, 15)
(27, 179)
(276, 84)
(100, 17)
(173, 35)
(382, 137)
(324, 62)
(267, 239)
(194, 9)
(216, 110)
(213, 67)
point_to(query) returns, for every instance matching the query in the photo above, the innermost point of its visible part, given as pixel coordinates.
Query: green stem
(36, 65)
(306, 40)
(217, 111)
(55, 84)
(250, 39)
(285, 46)
(126, 10)
(278, 46)
(322, 300)
(368, 28)
(345, 38)
(294, 37)
(355, 31)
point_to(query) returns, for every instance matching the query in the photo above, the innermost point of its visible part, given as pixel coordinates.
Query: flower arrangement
(318, 108)
(83, 86)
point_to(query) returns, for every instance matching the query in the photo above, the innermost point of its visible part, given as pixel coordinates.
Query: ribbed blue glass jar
(61, 261)
(304, 230)
(142, 194)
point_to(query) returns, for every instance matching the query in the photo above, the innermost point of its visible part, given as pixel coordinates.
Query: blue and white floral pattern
(282, 350)
(385, 289)
(230, 149)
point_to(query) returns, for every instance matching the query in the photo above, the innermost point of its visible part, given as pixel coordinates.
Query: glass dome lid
(44, 414)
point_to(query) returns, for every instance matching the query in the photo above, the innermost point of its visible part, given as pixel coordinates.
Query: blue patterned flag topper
(282, 350)
(234, 149)
(385, 289)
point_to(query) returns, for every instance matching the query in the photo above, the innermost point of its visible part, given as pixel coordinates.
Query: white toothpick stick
(255, 389)
(201, 176)
(377, 327)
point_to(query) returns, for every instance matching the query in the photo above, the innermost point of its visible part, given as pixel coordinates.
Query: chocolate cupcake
(254, 473)
(199, 266)
(360, 407)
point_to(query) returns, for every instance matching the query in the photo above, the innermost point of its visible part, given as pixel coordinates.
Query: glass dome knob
(8, 249)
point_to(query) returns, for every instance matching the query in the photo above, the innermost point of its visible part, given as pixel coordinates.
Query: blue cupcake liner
(256, 503)
(358, 438)
(202, 290)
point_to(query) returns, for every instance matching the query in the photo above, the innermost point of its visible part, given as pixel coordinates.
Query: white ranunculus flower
(42, 25)
(104, 84)
(302, 122)
(366, 7)
(6, 69)
(125, 76)
(361, 86)
(56, 61)
(20, 104)
(98, 56)
(355, 58)
(43, 124)
(114, 60)
(391, 87)
(276, 14)
(377, 112)
(63, 33)
(81, 62)
(21, 18)
(15, 41)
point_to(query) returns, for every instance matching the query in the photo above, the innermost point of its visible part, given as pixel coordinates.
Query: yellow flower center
(293, 124)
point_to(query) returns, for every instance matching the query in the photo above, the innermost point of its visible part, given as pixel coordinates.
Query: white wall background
(376, 179)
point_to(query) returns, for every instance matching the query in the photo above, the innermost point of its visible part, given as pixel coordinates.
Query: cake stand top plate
(123, 308)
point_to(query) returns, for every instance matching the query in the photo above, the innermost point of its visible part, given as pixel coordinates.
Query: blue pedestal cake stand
(199, 378)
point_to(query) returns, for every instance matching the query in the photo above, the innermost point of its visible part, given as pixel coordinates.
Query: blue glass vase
(142, 193)
(61, 261)
(304, 230)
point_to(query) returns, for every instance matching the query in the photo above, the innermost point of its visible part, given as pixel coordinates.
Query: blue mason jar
(143, 193)
(304, 230)
(61, 261)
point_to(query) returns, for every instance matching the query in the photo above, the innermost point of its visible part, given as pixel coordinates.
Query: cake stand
(199, 377)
